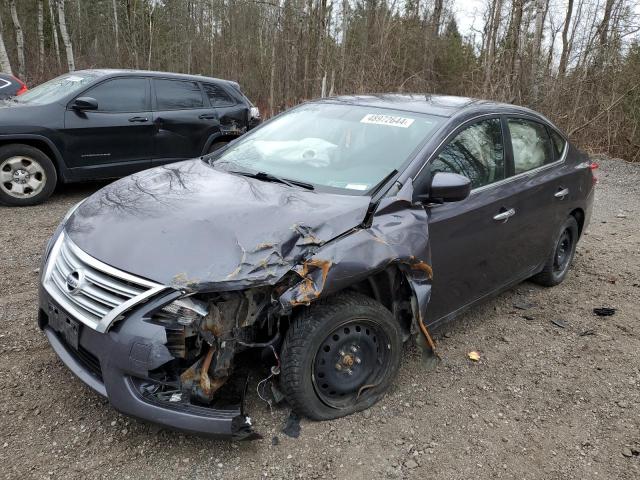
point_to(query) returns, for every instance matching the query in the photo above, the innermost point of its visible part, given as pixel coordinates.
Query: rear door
(182, 118)
(232, 114)
(540, 190)
(470, 239)
(115, 139)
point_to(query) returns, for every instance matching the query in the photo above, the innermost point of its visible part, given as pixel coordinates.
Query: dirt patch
(543, 401)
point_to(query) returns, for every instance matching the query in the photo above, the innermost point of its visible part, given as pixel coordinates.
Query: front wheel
(27, 175)
(339, 356)
(557, 265)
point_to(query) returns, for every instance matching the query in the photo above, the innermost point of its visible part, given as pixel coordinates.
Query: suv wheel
(27, 175)
(557, 265)
(339, 356)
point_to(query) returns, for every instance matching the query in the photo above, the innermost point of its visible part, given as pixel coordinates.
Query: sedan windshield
(350, 147)
(56, 89)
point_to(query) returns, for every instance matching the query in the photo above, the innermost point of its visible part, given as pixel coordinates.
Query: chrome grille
(93, 292)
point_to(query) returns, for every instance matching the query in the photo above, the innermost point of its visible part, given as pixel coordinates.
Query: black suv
(95, 124)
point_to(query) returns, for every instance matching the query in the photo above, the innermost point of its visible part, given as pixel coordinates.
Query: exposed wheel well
(390, 288)
(40, 145)
(578, 214)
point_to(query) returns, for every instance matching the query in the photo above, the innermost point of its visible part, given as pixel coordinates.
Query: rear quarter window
(217, 95)
(558, 142)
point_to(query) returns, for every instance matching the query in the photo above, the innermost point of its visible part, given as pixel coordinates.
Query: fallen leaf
(474, 356)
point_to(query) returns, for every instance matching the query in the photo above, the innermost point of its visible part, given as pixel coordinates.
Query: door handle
(139, 119)
(207, 116)
(504, 216)
(561, 193)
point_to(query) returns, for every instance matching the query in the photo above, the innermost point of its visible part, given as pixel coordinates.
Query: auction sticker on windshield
(389, 120)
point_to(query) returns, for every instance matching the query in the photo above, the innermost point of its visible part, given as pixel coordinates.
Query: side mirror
(446, 187)
(85, 103)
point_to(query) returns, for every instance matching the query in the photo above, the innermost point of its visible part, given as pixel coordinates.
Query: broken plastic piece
(604, 311)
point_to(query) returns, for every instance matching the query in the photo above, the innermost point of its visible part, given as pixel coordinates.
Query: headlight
(185, 311)
(58, 230)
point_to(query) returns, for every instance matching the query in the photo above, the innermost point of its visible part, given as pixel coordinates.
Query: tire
(217, 146)
(557, 265)
(27, 175)
(363, 339)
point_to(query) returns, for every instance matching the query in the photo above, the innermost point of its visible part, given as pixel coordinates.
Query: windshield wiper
(273, 178)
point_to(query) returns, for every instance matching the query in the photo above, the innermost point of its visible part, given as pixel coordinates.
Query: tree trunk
(494, 25)
(40, 36)
(536, 74)
(55, 31)
(116, 32)
(5, 64)
(66, 40)
(19, 38)
(566, 46)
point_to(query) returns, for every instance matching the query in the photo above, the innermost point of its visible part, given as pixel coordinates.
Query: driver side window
(121, 95)
(477, 152)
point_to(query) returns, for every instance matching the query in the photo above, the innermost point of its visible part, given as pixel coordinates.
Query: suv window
(178, 95)
(558, 143)
(477, 152)
(121, 95)
(217, 96)
(531, 145)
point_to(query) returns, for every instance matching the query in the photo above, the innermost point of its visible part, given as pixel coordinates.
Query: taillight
(593, 166)
(23, 87)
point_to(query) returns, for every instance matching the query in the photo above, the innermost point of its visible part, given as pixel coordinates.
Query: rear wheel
(557, 265)
(27, 175)
(339, 356)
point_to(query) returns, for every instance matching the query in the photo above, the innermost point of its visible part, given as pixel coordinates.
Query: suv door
(183, 120)
(469, 239)
(115, 139)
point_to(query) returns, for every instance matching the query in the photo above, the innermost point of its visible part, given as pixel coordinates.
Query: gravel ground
(542, 402)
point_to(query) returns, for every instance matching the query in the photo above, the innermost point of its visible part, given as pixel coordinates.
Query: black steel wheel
(350, 359)
(557, 265)
(339, 356)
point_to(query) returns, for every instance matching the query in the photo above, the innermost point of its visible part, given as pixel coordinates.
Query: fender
(63, 171)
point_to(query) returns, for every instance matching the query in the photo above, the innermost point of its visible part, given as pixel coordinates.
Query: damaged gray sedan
(315, 246)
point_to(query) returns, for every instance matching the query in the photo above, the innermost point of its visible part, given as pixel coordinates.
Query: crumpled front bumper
(113, 363)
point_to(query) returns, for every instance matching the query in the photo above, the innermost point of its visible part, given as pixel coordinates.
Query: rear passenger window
(178, 95)
(558, 143)
(531, 145)
(217, 96)
(477, 152)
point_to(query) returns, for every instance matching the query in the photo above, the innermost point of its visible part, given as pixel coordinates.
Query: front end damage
(207, 331)
(234, 277)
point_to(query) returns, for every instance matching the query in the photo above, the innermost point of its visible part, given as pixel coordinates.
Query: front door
(116, 139)
(183, 120)
(469, 239)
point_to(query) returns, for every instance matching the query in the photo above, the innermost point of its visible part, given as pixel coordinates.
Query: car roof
(439, 105)
(150, 73)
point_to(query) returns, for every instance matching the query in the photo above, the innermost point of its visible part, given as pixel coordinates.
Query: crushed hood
(190, 226)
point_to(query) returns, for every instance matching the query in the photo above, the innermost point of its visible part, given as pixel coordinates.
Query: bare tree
(19, 38)
(5, 64)
(66, 40)
(115, 28)
(40, 33)
(54, 29)
(566, 45)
